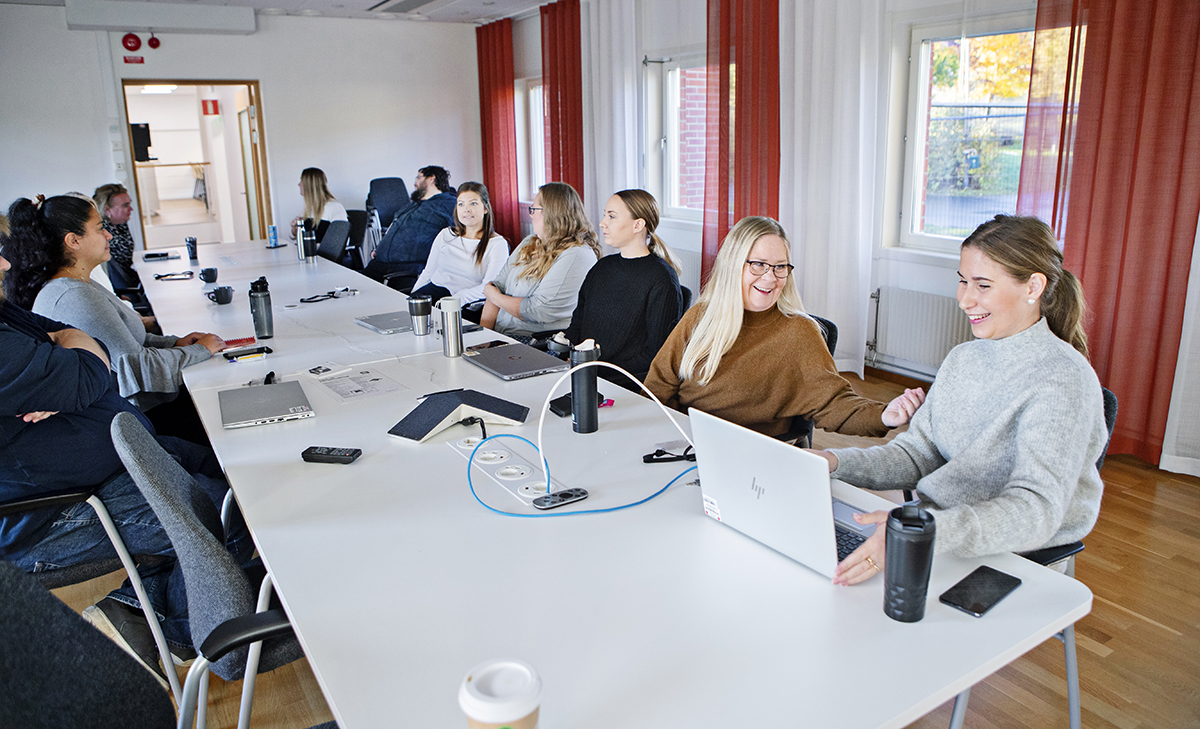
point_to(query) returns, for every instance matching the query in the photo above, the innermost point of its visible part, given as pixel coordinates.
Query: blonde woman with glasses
(748, 353)
(538, 288)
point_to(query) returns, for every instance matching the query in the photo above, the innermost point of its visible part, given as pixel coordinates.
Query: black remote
(323, 454)
(560, 498)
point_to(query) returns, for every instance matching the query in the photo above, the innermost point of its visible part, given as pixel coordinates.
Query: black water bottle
(260, 309)
(585, 417)
(910, 534)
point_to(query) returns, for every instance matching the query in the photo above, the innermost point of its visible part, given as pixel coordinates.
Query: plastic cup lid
(500, 691)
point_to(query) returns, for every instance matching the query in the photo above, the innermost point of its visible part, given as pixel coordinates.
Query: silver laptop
(773, 492)
(513, 360)
(242, 407)
(389, 323)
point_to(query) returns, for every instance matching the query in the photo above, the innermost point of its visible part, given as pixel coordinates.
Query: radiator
(918, 327)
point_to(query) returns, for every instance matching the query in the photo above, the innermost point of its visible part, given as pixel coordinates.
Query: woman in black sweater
(630, 301)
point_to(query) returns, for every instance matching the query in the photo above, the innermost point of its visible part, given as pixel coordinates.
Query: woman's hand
(296, 224)
(38, 416)
(495, 297)
(868, 560)
(901, 410)
(211, 342)
(832, 459)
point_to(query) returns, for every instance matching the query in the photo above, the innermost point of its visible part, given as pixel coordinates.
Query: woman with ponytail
(54, 246)
(1004, 451)
(630, 301)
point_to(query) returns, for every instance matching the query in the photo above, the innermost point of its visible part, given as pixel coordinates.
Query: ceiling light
(158, 88)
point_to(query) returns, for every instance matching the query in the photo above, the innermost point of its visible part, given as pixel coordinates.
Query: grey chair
(74, 574)
(333, 244)
(1052, 556)
(387, 196)
(801, 430)
(218, 590)
(56, 670)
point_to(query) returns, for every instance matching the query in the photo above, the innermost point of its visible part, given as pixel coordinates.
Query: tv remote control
(324, 454)
(560, 498)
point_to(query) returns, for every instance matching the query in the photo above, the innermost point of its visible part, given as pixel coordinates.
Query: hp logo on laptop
(758, 490)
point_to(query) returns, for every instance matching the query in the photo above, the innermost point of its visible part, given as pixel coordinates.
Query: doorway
(199, 160)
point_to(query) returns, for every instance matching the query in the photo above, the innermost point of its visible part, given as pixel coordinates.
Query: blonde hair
(104, 195)
(315, 189)
(1023, 246)
(642, 206)
(721, 304)
(564, 226)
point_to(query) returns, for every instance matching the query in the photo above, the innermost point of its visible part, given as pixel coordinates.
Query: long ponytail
(642, 205)
(35, 244)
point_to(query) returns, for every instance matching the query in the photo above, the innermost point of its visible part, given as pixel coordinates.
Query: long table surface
(398, 581)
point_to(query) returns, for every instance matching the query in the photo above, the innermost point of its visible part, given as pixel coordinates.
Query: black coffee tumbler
(584, 415)
(910, 534)
(190, 243)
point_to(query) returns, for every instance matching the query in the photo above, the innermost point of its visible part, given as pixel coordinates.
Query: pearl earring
(1031, 302)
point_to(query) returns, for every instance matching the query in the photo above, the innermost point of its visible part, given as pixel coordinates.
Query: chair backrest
(1110, 420)
(354, 244)
(829, 330)
(687, 298)
(56, 670)
(387, 195)
(217, 589)
(333, 245)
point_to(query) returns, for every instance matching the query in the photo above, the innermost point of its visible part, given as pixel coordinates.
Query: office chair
(56, 670)
(74, 574)
(354, 244)
(387, 196)
(217, 588)
(1047, 557)
(801, 430)
(687, 298)
(333, 244)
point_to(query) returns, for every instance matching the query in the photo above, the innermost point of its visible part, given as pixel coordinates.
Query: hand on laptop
(868, 560)
(901, 410)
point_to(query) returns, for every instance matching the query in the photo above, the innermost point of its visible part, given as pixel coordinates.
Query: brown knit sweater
(778, 368)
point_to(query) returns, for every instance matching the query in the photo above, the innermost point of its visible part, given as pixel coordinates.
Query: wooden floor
(1139, 649)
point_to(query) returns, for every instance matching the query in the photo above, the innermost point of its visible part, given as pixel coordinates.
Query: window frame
(531, 156)
(914, 130)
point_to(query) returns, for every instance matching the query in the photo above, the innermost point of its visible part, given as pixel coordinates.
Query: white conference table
(398, 582)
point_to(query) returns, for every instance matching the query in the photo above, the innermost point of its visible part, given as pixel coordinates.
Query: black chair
(333, 244)
(1054, 555)
(354, 244)
(687, 298)
(801, 431)
(56, 670)
(387, 196)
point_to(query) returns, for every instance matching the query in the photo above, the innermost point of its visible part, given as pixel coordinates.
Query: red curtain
(742, 124)
(1130, 190)
(497, 116)
(562, 86)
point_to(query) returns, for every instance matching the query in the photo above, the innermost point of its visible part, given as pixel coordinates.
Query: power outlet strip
(514, 473)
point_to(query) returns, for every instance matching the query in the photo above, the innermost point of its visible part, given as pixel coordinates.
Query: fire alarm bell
(131, 42)
(153, 42)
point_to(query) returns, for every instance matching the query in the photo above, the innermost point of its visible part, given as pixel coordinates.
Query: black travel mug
(190, 243)
(260, 309)
(585, 417)
(910, 534)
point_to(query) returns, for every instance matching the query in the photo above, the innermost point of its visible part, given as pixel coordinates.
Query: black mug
(208, 275)
(221, 294)
(910, 535)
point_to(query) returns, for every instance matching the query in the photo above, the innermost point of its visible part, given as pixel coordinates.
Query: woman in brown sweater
(748, 353)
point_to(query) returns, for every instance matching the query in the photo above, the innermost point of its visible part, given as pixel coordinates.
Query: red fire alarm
(153, 42)
(131, 42)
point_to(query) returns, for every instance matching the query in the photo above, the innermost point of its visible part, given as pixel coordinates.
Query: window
(675, 134)
(531, 138)
(968, 94)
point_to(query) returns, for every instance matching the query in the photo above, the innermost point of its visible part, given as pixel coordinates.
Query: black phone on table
(561, 406)
(979, 591)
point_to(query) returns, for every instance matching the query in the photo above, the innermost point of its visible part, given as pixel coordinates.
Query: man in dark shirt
(405, 246)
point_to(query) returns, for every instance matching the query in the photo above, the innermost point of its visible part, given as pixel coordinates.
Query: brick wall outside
(691, 138)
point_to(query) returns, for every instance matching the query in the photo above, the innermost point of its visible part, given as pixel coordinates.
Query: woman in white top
(466, 255)
(319, 202)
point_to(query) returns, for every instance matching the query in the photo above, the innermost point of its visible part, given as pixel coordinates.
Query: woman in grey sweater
(54, 246)
(1004, 450)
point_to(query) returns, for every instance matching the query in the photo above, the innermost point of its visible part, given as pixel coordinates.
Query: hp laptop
(390, 323)
(773, 493)
(513, 361)
(242, 407)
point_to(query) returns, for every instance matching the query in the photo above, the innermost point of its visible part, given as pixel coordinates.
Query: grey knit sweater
(1003, 451)
(148, 367)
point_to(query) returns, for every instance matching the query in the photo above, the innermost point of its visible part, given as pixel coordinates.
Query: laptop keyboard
(847, 541)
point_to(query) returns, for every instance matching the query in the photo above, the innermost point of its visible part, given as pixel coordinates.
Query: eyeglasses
(758, 268)
(533, 209)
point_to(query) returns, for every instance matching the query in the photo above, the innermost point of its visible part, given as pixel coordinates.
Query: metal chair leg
(254, 651)
(960, 710)
(1072, 676)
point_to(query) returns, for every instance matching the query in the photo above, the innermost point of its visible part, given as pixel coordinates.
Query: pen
(439, 392)
(256, 355)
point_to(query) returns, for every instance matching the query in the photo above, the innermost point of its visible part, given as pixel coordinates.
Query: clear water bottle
(260, 309)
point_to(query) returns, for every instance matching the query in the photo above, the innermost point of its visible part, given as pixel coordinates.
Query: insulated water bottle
(260, 309)
(910, 534)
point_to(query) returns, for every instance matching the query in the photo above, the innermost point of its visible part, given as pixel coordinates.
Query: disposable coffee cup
(221, 294)
(419, 309)
(208, 275)
(501, 693)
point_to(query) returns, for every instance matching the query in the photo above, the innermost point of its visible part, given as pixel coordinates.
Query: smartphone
(561, 406)
(976, 593)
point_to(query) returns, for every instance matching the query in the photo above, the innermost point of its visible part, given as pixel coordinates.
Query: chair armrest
(402, 282)
(43, 501)
(1050, 555)
(240, 631)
